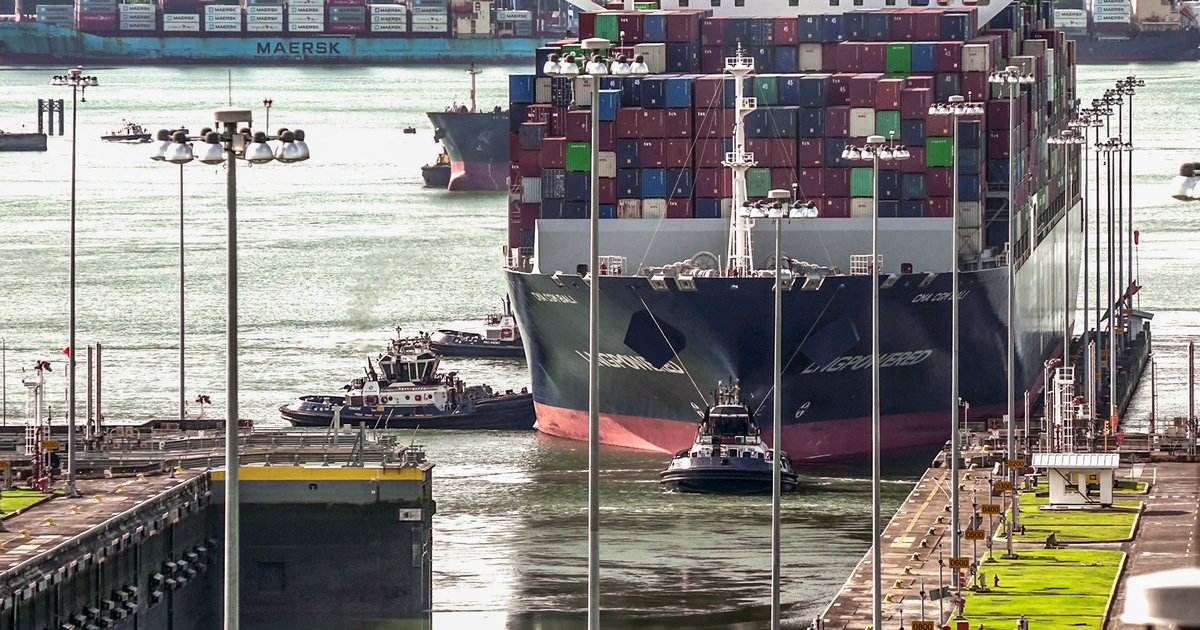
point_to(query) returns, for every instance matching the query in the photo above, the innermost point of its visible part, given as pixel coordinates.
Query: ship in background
(1122, 31)
(476, 141)
(686, 288)
(275, 31)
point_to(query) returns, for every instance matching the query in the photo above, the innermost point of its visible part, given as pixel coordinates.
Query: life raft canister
(370, 400)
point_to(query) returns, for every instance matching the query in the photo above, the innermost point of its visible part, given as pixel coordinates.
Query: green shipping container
(899, 58)
(606, 27)
(862, 182)
(645, 6)
(579, 156)
(766, 89)
(887, 124)
(758, 182)
(939, 152)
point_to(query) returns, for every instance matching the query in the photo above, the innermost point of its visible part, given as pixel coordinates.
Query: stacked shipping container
(822, 82)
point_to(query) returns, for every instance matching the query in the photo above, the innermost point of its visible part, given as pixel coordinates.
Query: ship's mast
(472, 70)
(740, 255)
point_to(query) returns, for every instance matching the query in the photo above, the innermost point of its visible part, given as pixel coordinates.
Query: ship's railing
(860, 264)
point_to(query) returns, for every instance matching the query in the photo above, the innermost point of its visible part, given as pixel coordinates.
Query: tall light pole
(267, 106)
(164, 143)
(956, 107)
(1128, 86)
(1113, 146)
(1084, 119)
(777, 212)
(877, 148)
(1013, 78)
(75, 79)
(227, 145)
(1067, 138)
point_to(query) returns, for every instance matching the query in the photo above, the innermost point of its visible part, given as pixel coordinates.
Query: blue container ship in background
(685, 304)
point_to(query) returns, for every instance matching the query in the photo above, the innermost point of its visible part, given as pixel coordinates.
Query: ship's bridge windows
(918, 3)
(835, 3)
(716, 3)
(793, 3)
(858, 3)
(683, 4)
(890, 3)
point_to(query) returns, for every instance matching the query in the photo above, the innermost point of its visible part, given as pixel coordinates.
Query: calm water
(338, 251)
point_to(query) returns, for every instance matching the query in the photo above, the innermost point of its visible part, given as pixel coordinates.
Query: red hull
(477, 176)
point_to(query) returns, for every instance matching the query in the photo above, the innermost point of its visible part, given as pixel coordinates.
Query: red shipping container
(919, 82)
(927, 25)
(974, 86)
(712, 59)
(837, 182)
(837, 121)
(1003, 35)
(538, 113)
(812, 183)
(873, 57)
(679, 153)
(579, 126)
(553, 153)
(677, 123)
(783, 178)
(712, 31)
(713, 123)
(652, 153)
(527, 212)
(683, 27)
(887, 94)
(862, 89)
(835, 208)
(652, 123)
(849, 57)
(939, 182)
(810, 152)
(787, 31)
(587, 24)
(679, 208)
(630, 25)
(608, 136)
(914, 103)
(529, 161)
(998, 114)
(628, 119)
(514, 143)
(558, 121)
(782, 151)
(939, 207)
(710, 152)
(916, 163)
(997, 145)
(760, 147)
(937, 126)
(947, 56)
(608, 190)
(902, 26)
(713, 183)
(347, 28)
(839, 88)
(707, 90)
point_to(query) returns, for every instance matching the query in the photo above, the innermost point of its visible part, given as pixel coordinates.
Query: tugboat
(410, 393)
(500, 338)
(130, 132)
(728, 455)
(437, 175)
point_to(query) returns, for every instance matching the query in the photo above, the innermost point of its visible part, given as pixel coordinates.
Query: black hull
(1141, 47)
(510, 412)
(477, 144)
(718, 480)
(453, 343)
(436, 176)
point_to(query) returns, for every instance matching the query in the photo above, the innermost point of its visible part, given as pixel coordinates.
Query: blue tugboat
(500, 338)
(408, 392)
(728, 455)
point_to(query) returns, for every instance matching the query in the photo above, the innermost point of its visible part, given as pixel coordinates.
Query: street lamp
(164, 143)
(1087, 118)
(1067, 138)
(1013, 78)
(777, 211)
(227, 145)
(75, 79)
(267, 105)
(595, 67)
(1127, 87)
(956, 107)
(876, 149)
(1113, 146)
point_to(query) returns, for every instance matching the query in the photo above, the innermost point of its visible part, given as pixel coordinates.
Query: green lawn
(1075, 525)
(18, 499)
(1054, 588)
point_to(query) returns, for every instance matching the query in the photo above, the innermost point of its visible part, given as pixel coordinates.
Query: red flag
(67, 351)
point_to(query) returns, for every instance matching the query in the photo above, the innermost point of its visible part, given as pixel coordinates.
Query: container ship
(265, 31)
(687, 285)
(476, 143)
(1121, 31)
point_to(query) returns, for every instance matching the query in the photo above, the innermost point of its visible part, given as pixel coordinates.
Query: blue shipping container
(631, 92)
(654, 92)
(912, 186)
(831, 32)
(727, 87)
(552, 208)
(812, 123)
(541, 56)
(516, 116)
(968, 187)
(968, 161)
(956, 26)
(912, 208)
(970, 134)
(812, 28)
(912, 132)
(854, 26)
(628, 183)
(679, 91)
(922, 56)
(608, 211)
(815, 89)
(554, 183)
(879, 26)
(520, 88)
(575, 210)
(946, 85)
(772, 122)
(833, 152)
(654, 27)
(789, 89)
(562, 91)
(683, 57)
(531, 135)
(610, 102)
(889, 208)
(787, 59)
(654, 183)
(889, 184)
(627, 153)
(579, 186)
(679, 183)
(707, 208)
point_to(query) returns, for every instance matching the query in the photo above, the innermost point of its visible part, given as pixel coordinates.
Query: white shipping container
(389, 18)
(223, 19)
(811, 57)
(583, 91)
(264, 11)
(264, 27)
(531, 190)
(629, 208)
(390, 9)
(306, 10)
(862, 122)
(223, 9)
(654, 208)
(389, 28)
(181, 18)
(429, 28)
(860, 208)
(976, 58)
(607, 163)
(1109, 3)
(1069, 13)
(430, 10)
(306, 19)
(137, 27)
(514, 16)
(182, 27)
(1111, 19)
(224, 27)
(1070, 22)
(264, 19)
(136, 9)
(136, 20)
(307, 27)
(306, 3)
(655, 56)
(429, 19)
(541, 89)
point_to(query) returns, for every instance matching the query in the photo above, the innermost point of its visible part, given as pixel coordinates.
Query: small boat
(500, 338)
(410, 393)
(410, 130)
(437, 175)
(129, 132)
(728, 455)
